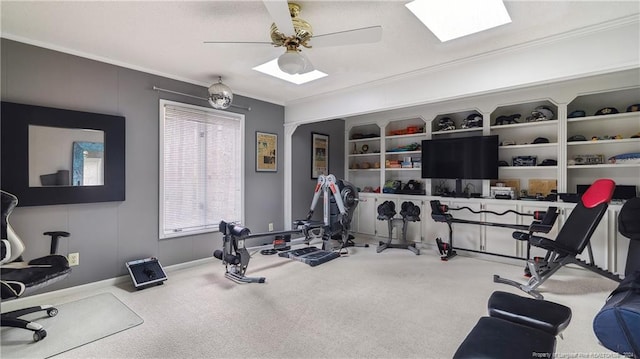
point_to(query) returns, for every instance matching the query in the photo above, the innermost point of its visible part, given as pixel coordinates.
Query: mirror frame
(15, 120)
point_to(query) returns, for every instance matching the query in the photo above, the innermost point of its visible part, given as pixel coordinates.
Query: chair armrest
(5, 252)
(55, 235)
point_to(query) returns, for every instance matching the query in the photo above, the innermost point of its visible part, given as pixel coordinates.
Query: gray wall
(109, 234)
(301, 182)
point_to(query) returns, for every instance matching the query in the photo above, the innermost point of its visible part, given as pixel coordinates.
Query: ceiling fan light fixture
(291, 62)
(220, 95)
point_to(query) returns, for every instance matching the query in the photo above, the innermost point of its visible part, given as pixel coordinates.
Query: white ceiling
(166, 38)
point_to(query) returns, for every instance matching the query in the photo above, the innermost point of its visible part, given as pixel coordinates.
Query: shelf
(365, 155)
(402, 169)
(523, 133)
(365, 139)
(603, 142)
(413, 135)
(364, 170)
(532, 145)
(617, 116)
(527, 168)
(403, 153)
(619, 165)
(457, 131)
(526, 124)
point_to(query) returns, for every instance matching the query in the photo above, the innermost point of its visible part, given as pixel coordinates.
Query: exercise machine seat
(19, 278)
(517, 327)
(617, 324)
(495, 338)
(547, 316)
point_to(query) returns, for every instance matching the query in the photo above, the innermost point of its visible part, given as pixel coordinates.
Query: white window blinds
(201, 168)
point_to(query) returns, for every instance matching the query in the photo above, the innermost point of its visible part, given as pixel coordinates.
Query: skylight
(451, 19)
(271, 68)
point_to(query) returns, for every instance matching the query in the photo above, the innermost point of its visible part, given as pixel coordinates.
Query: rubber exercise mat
(310, 255)
(77, 323)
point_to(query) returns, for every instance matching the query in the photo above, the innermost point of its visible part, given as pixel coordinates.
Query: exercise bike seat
(547, 316)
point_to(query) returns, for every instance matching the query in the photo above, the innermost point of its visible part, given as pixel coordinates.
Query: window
(201, 168)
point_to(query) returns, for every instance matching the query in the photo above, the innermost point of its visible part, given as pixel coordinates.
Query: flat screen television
(474, 157)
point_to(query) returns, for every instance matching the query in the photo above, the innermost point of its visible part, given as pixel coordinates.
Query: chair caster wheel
(39, 335)
(52, 312)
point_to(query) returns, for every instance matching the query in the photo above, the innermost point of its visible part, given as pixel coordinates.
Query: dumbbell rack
(403, 241)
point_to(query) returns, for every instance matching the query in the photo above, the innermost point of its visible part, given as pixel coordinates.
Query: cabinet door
(466, 236)
(499, 239)
(366, 215)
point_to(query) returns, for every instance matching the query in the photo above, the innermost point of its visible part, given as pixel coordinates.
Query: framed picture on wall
(319, 154)
(266, 152)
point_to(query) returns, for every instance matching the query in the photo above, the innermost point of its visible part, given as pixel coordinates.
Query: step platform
(310, 255)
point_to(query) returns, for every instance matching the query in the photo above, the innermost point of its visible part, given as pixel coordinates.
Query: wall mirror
(65, 156)
(55, 156)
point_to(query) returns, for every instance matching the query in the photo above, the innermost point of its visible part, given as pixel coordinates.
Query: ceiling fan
(292, 33)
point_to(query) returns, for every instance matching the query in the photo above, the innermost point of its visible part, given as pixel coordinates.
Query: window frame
(161, 181)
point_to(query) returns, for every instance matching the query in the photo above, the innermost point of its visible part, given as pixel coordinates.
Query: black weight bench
(572, 239)
(517, 327)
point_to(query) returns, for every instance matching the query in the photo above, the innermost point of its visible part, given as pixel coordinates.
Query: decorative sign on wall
(319, 154)
(266, 152)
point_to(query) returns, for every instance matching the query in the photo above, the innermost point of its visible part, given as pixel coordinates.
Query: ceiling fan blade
(363, 35)
(238, 42)
(279, 11)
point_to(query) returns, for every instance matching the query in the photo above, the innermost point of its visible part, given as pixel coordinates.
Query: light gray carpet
(77, 323)
(392, 304)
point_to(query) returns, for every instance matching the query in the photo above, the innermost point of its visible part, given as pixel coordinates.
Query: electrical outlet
(270, 227)
(74, 259)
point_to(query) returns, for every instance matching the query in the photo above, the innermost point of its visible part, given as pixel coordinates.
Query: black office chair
(19, 278)
(573, 238)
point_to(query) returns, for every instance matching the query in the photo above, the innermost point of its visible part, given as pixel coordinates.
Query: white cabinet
(609, 247)
(499, 239)
(466, 236)
(365, 216)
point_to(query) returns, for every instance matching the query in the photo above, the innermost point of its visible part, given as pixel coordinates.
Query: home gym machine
(234, 254)
(542, 222)
(340, 199)
(409, 213)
